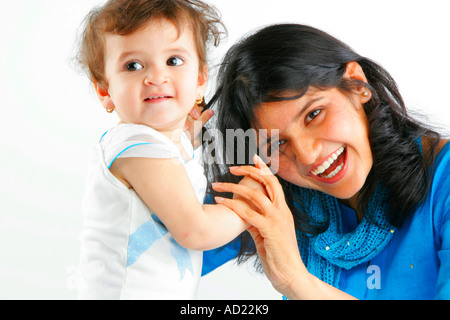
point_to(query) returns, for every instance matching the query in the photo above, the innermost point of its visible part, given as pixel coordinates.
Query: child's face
(322, 124)
(153, 75)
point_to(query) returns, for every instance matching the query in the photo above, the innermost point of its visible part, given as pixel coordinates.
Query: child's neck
(173, 135)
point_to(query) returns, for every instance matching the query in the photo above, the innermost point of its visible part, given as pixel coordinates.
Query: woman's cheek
(286, 170)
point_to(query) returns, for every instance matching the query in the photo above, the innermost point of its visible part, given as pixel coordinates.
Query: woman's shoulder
(441, 150)
(436, 207)
(442, 144)
(440, 185)
(442, 153)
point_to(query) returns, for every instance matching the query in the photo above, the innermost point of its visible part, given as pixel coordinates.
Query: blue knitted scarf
(327, 253)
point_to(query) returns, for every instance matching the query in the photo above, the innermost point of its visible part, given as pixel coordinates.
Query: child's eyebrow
(126, 54)
(180, 50)
(174, 50)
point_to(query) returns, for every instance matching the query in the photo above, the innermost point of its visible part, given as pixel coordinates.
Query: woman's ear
(354, 71)
(104, 97)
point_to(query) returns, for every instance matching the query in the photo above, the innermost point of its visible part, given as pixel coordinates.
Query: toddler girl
(144, 223)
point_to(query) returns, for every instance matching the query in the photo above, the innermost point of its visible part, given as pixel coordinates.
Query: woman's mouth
(332, 169)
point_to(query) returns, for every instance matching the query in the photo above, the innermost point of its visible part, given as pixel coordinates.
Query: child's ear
(104, 97)
(202, 79)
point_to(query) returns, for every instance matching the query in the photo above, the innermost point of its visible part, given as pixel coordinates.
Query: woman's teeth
(326, 164)
(334, 172)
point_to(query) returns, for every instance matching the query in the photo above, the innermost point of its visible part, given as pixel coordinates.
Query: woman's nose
(306, 151)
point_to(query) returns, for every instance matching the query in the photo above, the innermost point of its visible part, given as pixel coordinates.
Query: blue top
(415, 264)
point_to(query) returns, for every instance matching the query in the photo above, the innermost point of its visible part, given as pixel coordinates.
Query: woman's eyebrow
(306, 106)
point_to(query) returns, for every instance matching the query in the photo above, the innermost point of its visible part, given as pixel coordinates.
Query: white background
(51, 119)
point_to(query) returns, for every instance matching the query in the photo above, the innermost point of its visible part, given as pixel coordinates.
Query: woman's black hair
(291, 58)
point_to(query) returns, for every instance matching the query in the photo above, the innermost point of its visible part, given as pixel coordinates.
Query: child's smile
(157, 99)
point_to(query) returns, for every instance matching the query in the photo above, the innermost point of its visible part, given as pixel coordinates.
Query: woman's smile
(323, 141)
(333, 168)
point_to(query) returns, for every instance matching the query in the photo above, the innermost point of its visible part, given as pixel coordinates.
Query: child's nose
(155, 77)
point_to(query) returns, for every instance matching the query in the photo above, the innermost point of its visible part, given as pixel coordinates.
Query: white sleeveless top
(126, 252)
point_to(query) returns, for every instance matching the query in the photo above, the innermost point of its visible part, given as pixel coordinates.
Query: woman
(362, 200)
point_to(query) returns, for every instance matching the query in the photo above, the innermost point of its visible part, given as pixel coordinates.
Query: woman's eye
(134, 66)
(279, 143)
(275, 146)
(310, 116)
(175, 61)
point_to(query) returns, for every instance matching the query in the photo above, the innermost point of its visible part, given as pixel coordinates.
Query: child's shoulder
(133, 132)
(136, 141)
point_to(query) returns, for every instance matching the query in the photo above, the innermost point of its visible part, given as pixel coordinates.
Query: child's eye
(175, 61)
(134, 66)
(310, 116)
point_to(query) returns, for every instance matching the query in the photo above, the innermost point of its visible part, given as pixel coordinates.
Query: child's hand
(254, 185)
(195, 121)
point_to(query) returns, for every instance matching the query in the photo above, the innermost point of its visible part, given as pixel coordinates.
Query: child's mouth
(157, 98)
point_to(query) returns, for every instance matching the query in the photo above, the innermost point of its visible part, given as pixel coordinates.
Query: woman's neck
(352, 203)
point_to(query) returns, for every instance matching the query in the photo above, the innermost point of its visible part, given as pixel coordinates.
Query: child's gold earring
(365, 94)
(110, 109)
(199, 101)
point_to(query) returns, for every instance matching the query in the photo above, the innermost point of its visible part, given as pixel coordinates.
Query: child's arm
(164, 186)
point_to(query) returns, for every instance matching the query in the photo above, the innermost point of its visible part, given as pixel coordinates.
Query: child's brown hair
(123, 17)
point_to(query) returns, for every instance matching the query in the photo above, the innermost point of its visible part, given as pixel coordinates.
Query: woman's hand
(272, 224)
(195, 121)
(273, 230)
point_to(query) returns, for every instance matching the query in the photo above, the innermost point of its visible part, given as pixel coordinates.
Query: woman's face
(322, 141)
